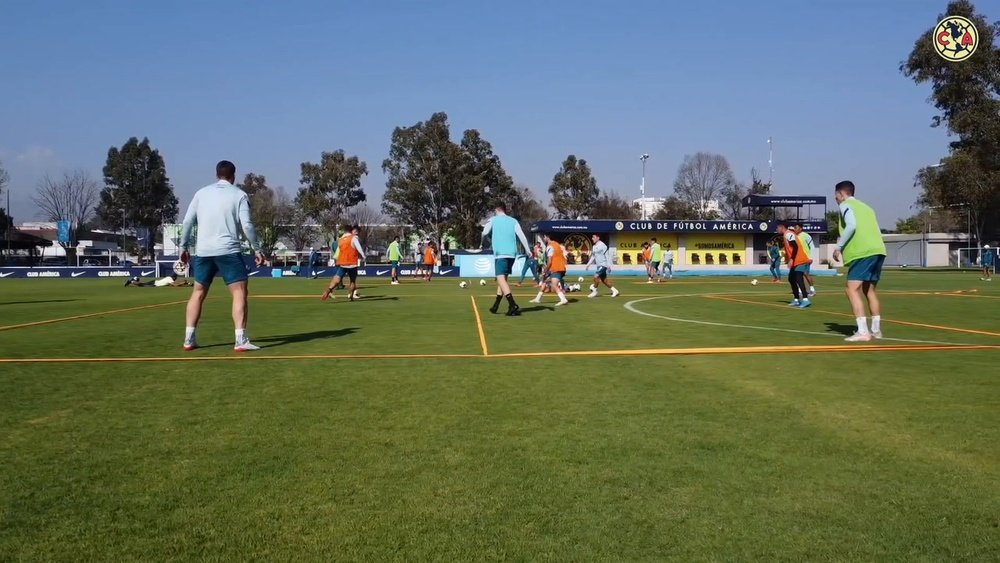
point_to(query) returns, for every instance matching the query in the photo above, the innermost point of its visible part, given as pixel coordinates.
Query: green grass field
(695, 420)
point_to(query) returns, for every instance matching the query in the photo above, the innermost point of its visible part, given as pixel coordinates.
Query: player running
(986, 261)
(807, 242)
(393, 254)
(555, 269)
(599, 257)
(349, 253)
(797, 259)
(505, 233)
(221, 211)
(862, 250)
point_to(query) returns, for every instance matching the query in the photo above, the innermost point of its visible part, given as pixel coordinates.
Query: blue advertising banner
(63, 230)
(783, 200)
(669, 226)
(73, 273)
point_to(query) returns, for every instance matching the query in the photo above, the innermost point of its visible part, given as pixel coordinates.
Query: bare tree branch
(71, 198)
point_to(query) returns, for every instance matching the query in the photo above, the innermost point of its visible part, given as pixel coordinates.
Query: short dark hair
(395, 237)
(653, 239)
(225, 169)
(846, 186)
(501, 206)
(782, 224)
(348, 227)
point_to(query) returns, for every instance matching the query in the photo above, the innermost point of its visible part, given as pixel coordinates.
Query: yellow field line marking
(479, 327)
(839, 314)
(942, 294)
(557, 354)
(88, 315)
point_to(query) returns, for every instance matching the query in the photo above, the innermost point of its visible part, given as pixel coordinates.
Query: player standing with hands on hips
(862, 250)
(221, 212)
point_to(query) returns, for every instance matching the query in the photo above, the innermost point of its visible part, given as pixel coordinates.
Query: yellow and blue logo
(956, 38)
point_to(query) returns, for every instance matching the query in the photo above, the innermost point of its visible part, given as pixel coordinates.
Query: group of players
(221, 213)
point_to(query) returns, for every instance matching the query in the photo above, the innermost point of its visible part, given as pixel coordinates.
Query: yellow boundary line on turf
(839, 314)
(479, 326)
(558, 354)
(88, 315)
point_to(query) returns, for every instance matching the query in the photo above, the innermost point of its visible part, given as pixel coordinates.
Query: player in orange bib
(349, 254)
(555, 267)
(430, 259)
(798, 260)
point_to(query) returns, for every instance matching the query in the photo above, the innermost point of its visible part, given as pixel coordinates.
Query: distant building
(649, 206)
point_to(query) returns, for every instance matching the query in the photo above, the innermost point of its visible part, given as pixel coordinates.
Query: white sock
(539, 296)
(241, 334)
(862, 325)
(189, 332)
(562, 296)
(812, 289)
(877, 323)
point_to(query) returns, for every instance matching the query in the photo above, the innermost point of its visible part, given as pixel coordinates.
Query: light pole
(124, 252)
(642, 187)
(770, 162)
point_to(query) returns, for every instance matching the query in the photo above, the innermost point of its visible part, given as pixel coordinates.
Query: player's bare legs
(857, 299)
(329, 289)
(193, 315)
(875, 306)
(239, 292)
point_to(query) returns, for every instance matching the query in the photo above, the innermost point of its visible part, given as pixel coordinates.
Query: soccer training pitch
(698, 419)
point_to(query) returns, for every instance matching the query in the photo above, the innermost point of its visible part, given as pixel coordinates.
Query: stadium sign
(600, 226)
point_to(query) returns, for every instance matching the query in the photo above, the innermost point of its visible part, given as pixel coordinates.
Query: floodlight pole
(642, 187)
(770, 162)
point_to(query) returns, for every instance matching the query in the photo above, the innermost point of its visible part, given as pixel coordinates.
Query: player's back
(217, 212)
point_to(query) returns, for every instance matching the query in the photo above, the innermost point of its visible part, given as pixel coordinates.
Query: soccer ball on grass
(463, 285)
(753, 282)
(482, 282)
(579, 279)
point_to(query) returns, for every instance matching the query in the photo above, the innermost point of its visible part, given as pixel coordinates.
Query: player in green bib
(394, 255)
(656, 256)
(862, 250)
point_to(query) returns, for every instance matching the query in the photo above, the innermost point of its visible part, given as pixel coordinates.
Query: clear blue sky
(271, 84)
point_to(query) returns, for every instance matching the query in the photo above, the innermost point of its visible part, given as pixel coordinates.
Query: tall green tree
(6, 222)
(574, 190)
(422, 171)
(136, 184)
(330, 187)
(611, 205)
(528, 209)
(482, 183)
(967, 97)
(442, 187)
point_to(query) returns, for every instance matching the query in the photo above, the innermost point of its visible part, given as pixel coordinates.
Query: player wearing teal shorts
(221, 211)
(505, 233)
(861, 248)
(599, 257)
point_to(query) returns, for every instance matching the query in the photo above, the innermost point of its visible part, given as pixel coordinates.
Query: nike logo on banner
(319, 272)
(7, 274)
(147, 273)
(380, 272)
(77, 274)
(253, 273)
(443, 272)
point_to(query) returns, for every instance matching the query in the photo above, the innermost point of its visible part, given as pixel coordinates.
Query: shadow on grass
(39, 301)
(537, 308)
(281, 340)
(846, 330)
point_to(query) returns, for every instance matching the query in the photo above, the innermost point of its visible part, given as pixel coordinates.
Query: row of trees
(965, 186)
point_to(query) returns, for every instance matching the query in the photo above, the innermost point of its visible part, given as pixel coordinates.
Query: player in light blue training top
(599, 256)
(505, 233)
(221, 211)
